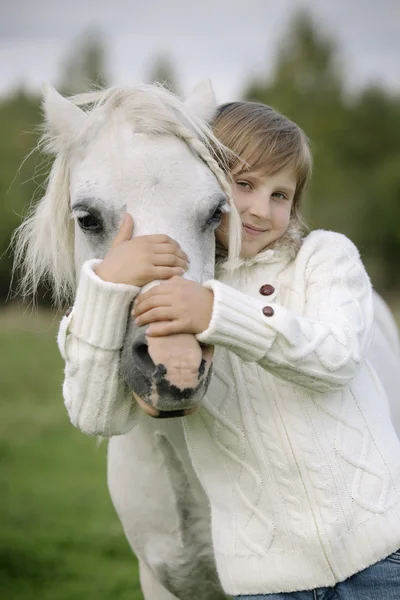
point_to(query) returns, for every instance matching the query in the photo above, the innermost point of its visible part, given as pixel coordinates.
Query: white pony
(145, 152)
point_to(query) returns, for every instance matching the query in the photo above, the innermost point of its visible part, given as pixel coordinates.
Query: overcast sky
(226, 40)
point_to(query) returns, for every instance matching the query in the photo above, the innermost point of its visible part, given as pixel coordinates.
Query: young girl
(293, 444)
(298, 457)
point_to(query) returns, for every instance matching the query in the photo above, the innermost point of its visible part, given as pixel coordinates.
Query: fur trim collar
(286, 247)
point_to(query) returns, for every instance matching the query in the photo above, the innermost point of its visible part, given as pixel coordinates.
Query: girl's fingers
(149, 303)
(164, 288)
(168, 272)
(171, 249)
(161, 313)
(162, 238)
(169, 260)
(157, 290)
(164, 328)
(125, 231)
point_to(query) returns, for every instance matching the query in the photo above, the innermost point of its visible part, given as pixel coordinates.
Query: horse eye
(215, 219)
(89, 223)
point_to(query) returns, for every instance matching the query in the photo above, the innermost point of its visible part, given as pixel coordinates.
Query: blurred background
(333, 67)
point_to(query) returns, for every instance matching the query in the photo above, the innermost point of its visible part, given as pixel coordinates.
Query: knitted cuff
(245, 324)
(101, 309)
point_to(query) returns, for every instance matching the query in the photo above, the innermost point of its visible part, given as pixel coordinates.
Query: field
(59, 536)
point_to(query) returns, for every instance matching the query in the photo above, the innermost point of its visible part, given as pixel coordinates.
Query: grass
(59, 536)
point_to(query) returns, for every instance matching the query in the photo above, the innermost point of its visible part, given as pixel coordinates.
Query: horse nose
(171, 374)
(140, 354)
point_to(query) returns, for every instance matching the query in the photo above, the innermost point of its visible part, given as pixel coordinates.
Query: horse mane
(44, 242)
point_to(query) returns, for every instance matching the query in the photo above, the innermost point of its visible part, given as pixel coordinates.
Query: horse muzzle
(169, 375)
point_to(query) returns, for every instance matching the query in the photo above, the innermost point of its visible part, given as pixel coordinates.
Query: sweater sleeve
(320, 348)
(90, 339)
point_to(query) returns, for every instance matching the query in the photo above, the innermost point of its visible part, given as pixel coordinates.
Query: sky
(228, 41)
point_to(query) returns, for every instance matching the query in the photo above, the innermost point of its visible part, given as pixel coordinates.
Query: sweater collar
(284, 249)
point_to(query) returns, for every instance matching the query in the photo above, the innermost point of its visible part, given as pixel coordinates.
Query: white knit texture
(98, 308)
(297, 454)
(294, 447)
(90, 339)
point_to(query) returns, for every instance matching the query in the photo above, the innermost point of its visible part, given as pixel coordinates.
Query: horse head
(145, 152)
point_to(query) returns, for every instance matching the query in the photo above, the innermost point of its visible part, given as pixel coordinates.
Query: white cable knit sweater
(294, 444)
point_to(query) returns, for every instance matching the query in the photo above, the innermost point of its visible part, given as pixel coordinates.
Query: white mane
(44, 241)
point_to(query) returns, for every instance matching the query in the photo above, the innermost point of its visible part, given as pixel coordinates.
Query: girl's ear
(201, 102)
(63, 119)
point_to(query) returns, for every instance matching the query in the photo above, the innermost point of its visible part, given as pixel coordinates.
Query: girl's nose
(260, 207)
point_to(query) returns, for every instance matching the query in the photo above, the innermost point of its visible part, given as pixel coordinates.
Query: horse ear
(63, 119)
(201, 102)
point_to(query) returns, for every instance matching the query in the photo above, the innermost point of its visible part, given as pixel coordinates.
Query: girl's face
(264, 203)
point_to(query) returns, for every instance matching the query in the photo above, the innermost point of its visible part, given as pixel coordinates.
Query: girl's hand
(143, 259)
(181, 305)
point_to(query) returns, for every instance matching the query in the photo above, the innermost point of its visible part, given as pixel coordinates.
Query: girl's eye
(280, 195)
(244, 184)
(88, 222)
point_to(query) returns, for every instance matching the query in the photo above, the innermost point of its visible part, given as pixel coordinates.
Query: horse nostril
(141, 349)
(140, 353)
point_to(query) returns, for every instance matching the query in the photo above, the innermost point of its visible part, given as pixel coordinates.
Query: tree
(85, 67)
(306, 83)
(306, 86)
(162, 71)
(21, 174)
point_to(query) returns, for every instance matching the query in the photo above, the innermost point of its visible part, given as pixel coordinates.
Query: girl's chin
(249, 252)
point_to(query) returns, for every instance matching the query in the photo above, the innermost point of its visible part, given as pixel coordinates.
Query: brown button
(69, 311)
(268, 311)
(267, 289)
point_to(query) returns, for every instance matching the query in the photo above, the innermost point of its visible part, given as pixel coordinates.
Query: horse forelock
(152, 110)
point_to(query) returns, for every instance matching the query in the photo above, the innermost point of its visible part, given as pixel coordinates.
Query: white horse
(145, 152)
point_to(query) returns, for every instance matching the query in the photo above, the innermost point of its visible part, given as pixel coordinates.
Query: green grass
(59, 536)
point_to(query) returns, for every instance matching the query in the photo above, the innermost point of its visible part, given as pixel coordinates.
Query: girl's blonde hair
(261, 139)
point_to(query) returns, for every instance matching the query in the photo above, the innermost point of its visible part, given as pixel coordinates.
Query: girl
(299, 459)
(293, 445)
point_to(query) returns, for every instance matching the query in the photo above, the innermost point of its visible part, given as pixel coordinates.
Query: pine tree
(85, 68)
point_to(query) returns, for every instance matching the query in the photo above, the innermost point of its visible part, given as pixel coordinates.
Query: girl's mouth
(253, 231)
